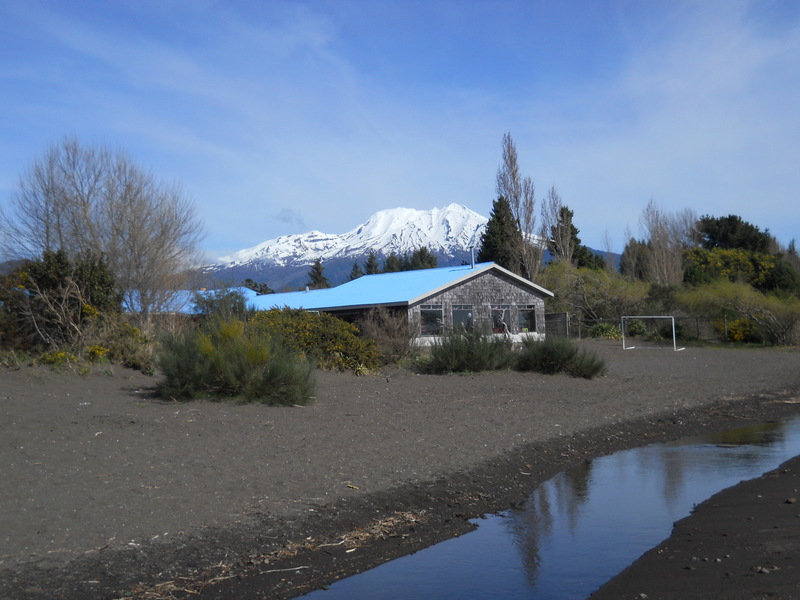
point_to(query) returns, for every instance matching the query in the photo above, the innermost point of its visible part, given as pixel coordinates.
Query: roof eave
(474, 273)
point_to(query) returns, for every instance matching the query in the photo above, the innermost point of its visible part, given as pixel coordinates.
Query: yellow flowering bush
(738, 330)
(89, 311)
(332, 342)
(95, 352)
(57, 357)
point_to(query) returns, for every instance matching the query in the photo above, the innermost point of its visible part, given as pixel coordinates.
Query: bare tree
(608, 250)
(91, 199)
(667, 236)
(520, 192)
(557, 226)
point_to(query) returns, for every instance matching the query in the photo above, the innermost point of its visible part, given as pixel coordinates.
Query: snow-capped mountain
(448, 232)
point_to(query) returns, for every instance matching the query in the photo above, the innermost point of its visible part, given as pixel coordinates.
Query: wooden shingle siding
(481, 292)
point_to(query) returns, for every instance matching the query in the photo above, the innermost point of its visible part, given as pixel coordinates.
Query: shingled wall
(481, 292)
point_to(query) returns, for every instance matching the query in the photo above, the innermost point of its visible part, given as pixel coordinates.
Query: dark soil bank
(742, 543)
(108, 492)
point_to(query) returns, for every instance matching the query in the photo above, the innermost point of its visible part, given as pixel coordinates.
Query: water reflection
(584, 525)
(765, 434)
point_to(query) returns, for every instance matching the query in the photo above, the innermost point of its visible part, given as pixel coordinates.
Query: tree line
(421, 258)
(722, 267)
(107, 250)
(519, 239)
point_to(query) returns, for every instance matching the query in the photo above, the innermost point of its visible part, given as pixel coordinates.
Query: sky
(281, 117)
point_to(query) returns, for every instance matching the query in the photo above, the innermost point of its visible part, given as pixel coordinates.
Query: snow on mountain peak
(451, 229)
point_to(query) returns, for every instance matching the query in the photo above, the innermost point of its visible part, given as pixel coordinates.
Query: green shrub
(739, 330)
(12, 359)
(463, 351)
(587, 365)
(605, 331)
(636, 327)
(664, 333)
(232, 359)
(57, 357)
(549, 356)
(225, 303)
(328, 340)
(52, 302)
(776, 317)
(554, 355)
(128, 346)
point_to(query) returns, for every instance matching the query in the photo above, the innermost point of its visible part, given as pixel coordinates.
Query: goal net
(657, 332)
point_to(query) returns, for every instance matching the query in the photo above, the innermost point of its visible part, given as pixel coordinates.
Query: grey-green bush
(230, 358)
(464, 351)
(548, 356)
(554, 355)
(587, 365)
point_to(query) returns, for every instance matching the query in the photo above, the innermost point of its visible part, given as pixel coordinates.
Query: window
(526, 318)
(431, 319)
(501, 318)
(462, 316)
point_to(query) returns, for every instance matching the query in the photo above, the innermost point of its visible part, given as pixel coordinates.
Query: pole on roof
(472, 256)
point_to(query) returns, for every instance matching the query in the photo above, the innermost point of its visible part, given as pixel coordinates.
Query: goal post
(651, 330)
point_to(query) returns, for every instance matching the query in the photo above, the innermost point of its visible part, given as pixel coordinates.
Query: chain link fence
(689, 328)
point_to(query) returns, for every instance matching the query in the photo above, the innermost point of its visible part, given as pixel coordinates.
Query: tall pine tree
(356, 271)
(371, 265)
(422, 258)
(502, 238)
(316, 276)
(393, 263)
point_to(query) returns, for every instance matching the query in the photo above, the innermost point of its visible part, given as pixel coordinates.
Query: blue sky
(282, 117)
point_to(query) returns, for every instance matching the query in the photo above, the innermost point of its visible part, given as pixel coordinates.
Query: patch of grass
(13, 359)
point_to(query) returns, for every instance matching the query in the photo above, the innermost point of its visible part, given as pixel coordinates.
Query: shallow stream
(583, 526)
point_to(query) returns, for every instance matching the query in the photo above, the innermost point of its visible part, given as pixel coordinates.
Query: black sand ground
(109, 492)
(741, 544)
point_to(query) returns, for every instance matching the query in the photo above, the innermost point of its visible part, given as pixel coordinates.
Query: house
(435, 300)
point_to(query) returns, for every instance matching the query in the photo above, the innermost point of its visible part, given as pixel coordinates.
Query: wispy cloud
(333, 110)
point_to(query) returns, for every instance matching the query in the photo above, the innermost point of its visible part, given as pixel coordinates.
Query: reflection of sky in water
(581, 527)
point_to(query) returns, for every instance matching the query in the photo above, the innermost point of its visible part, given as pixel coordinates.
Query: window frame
(463, 308)
(522, 311)
(438, 320)
(503, 309)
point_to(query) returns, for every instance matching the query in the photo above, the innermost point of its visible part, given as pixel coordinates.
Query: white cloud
(703, 119)
(263, 108)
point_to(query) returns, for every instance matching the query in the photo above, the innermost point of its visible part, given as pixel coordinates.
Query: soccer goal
(649, 331)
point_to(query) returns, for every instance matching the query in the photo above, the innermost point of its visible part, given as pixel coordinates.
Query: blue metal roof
(387, 289)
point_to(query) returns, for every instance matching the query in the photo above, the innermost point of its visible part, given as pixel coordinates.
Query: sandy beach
(111, 492)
